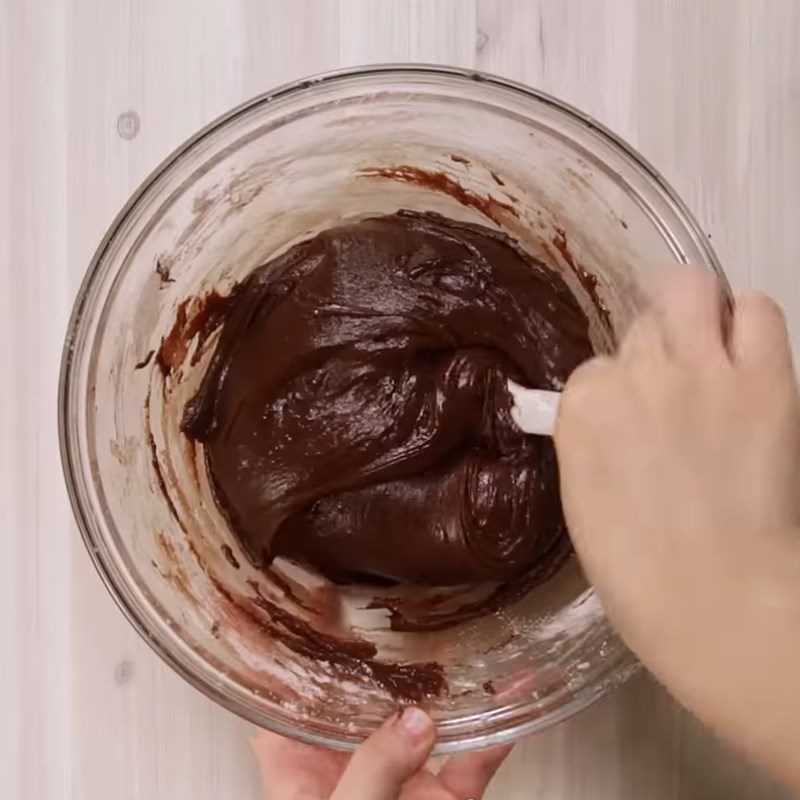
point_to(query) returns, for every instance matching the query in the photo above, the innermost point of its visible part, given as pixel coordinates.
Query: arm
(680, 474)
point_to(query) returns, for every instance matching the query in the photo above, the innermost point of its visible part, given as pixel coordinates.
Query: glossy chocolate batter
(355, 416)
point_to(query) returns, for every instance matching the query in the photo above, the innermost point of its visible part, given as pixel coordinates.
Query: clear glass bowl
(267, 174)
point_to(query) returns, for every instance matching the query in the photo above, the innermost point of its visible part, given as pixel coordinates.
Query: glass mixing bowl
(272, 172)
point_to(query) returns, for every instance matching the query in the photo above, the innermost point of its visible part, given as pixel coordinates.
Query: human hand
(680, 476)
(390, 765)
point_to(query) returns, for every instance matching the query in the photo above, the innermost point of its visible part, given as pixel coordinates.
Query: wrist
(743, 678)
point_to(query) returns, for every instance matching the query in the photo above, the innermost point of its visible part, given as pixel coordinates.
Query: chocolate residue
(489, 206)
(497, 179)
(354, 657)
(240, 192)
(159, 475)
(145, 361)
(459, 159)
(488, 687)
(288, 589)
(588, 280)
(229, 556)
(560, 241)
(202, 203)
(174, 573)
(163, 272)
(351, 659)
(196, 318)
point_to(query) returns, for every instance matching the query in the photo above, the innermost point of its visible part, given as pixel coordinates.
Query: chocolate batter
(354, 413)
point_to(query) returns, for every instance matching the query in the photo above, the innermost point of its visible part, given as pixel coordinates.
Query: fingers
(469, 774)
(685, 320)
(581, 388)
(644, 339)
(388, 758)
(291, 769)
(759, 338)
(689, 307)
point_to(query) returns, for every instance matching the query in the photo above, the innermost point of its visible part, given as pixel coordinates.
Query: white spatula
(534, 410)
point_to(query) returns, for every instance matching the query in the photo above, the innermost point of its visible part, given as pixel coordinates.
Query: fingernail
(414, 723)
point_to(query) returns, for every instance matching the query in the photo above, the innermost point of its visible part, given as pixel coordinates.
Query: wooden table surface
(94, 94)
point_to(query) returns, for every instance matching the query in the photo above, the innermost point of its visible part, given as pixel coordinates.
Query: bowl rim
(70, 460)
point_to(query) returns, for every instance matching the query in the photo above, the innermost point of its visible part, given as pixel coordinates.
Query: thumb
(386, 760)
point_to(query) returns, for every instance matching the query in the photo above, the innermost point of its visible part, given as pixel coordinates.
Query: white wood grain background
(708, 91)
